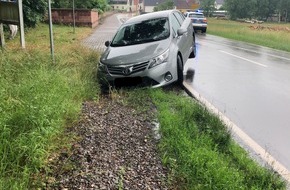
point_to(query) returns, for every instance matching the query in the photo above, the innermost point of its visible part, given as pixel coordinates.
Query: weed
(275, 38)
(199, 152)
(121, 178)
(38, 99)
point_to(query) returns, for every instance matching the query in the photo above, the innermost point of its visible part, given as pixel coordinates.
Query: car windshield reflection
(143, 32)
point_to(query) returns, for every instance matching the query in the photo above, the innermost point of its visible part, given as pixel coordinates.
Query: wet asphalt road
(250, 85)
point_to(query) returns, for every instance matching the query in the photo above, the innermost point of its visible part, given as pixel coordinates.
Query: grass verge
(271, 35)
(197, 147)
(39, 98)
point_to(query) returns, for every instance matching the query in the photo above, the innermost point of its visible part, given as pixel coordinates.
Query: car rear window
(193, 15)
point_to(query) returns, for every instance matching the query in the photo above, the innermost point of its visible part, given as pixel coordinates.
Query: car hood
(134, 53)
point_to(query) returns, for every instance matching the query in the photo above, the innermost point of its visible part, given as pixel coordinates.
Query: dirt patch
(270, 28)
(116, 150)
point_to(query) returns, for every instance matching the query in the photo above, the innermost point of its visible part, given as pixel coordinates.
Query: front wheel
(179, 70)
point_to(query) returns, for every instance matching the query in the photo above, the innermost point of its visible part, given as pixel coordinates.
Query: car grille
(128, 69)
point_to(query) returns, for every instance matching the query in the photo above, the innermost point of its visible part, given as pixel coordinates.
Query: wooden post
(2, 40)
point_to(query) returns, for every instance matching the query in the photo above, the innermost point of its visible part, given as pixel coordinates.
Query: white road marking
(261, 152)
(260, 64)
(272, 55)
(269, 54)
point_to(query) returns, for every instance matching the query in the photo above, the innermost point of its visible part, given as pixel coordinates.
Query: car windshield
(142, 32)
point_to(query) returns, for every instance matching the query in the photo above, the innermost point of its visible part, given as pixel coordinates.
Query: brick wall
(83, 17)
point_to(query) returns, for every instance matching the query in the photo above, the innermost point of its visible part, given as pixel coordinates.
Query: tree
(240, 8)
(101, 5)
(34, 11)
(169, 4)
(69, 4)
(264, 9)
(207, 6)
(61, 4)
(261, 9)
(222, 8)
(283, 7)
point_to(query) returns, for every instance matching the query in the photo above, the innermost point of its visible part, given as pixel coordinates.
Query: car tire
(179, 70)
(203, 30)
(193, 52)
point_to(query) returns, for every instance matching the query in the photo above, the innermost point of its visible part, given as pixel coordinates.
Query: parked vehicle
(149, 49)
(199, 21)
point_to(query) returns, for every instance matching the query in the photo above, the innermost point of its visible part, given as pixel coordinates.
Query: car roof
(147, 16)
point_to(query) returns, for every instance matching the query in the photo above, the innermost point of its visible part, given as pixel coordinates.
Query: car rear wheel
(179, 70)
(203, 30)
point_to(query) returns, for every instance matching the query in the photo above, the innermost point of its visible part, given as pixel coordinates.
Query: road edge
(248, 141)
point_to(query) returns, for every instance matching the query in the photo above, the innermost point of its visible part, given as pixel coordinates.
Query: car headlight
(101, 66)
(159, 59)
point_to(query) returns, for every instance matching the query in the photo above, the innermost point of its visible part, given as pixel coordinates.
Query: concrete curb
(236, 131)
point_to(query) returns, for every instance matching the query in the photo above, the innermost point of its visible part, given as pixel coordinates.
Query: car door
(183, 41)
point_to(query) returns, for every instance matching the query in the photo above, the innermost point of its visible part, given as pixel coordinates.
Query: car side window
(182, 15)
(179, 17)
(175, 23)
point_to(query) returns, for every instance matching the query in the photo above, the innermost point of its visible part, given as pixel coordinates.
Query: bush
(34, 11)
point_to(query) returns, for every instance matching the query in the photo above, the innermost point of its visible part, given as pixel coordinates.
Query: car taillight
(205, 20)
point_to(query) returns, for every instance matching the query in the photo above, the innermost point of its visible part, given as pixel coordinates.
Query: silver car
(149, 49)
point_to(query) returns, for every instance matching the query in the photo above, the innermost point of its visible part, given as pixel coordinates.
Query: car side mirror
(181, 31)
(107, 43)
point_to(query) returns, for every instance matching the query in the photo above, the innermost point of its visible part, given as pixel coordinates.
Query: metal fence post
(51, 32)
(74, 16)
(21, 24)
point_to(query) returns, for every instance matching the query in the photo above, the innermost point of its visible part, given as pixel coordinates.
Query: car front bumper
(157, 76)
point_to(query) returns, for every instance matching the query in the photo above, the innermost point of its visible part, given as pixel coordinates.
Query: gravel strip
(116, 150)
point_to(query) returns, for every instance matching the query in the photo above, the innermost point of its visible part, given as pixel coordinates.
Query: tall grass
(277, 39)
(38, 98)
(197, 147)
